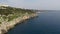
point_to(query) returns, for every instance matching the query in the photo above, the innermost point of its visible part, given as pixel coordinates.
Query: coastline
(4, 27)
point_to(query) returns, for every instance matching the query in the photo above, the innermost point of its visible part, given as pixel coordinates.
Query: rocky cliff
(12, 16)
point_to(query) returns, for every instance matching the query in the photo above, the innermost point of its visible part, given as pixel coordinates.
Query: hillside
(10, 13)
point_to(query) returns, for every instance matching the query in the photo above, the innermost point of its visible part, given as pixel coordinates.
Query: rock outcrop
(5, 26)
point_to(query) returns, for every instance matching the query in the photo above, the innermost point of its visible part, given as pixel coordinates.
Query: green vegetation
(10, 13)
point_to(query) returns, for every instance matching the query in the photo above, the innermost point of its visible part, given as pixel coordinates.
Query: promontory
(10, 16)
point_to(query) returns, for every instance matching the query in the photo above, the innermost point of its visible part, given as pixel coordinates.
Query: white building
(4, 5)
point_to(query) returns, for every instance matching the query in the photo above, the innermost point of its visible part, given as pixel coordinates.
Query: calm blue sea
(47, 22)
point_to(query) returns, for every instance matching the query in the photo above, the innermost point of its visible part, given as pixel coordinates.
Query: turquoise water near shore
(47, 22)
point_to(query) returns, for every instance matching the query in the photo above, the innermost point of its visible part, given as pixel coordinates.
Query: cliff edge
(10, 16)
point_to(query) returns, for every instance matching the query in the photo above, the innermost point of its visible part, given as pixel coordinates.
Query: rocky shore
(5, 26)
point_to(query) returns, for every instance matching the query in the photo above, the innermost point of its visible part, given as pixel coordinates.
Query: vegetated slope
(10, 13)
(12, 10)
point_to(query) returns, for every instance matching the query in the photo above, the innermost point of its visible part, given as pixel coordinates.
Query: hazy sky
(34, 4)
